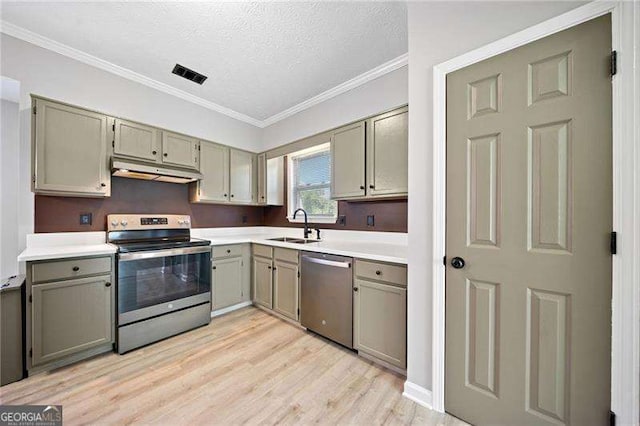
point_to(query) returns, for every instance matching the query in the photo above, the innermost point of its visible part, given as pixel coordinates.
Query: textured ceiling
(261, 58)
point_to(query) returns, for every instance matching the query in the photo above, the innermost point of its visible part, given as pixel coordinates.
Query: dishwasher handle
(326, 262)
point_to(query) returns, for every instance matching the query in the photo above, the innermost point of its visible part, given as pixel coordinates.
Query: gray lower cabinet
(70, 315)
(276, 280)
(262, 281)
(71, 149)
(285, 287)
(230, 277)
(227, 282)
(380, 312)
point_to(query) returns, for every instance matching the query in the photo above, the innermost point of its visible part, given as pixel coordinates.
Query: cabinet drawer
(227, 251)
(264, 251)
(286, 255)
(66, 269)
(394, 274)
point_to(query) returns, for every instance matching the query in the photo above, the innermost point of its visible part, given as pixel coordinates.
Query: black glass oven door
(167, 279)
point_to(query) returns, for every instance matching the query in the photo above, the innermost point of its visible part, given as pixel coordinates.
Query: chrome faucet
(307, 231)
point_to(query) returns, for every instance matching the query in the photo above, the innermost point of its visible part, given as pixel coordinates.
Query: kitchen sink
(293, 240)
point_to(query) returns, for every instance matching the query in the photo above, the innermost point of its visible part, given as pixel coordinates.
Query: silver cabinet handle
(326, 262)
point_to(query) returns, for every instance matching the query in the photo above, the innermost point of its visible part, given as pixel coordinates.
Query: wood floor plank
(246, 367)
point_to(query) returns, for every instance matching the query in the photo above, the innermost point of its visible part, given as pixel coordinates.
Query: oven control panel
(125, 222)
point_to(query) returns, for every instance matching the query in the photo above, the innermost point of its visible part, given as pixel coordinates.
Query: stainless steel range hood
(131, 169)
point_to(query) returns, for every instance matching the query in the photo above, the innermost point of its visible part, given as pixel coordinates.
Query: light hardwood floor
(245, 367)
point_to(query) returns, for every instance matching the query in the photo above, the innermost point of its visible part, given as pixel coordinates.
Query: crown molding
(379, 71)
(68, 51)
(65, 50)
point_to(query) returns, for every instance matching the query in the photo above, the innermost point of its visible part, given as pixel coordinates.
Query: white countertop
(64, 245)
(384, 247)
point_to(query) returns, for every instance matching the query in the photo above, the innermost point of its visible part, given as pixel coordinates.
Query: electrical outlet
(370, 220)
(244, 218)
(342, 220)
(85, 218)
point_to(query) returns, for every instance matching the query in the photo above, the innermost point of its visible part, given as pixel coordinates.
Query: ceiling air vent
(185, 72)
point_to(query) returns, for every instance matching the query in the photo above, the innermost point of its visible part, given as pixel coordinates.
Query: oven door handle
(125, 257)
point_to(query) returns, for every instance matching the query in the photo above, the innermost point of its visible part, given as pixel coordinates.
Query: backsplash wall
(62, 214)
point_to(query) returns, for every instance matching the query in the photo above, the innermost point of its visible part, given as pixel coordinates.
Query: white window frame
(290, 187)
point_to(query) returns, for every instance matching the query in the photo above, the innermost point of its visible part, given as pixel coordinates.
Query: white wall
(439, 31)
(9, 175)
(46, 73)
(381, 94)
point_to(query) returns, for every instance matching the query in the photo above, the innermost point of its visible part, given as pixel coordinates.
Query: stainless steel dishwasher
(327, 296)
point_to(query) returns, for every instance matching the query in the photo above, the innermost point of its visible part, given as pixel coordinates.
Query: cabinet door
(70, 316)
(180, 150)
(380, 321)
(136, 141)
(227, 282)
(347, 161)
(387, 154)
(262, 179)
(214, 166)
(242, 179)
(70, 151)
(285, 289)
(262, 282)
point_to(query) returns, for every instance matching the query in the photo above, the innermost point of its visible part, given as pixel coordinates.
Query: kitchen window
(309, 181)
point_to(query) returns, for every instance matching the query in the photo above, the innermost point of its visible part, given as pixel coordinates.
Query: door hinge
(35, 108)
(298, 311)
(614, 243)
(113, 144)
(33, 178)
(298, 274)
(113, 126)
(612, 418)
(30, 298)
(444, 260)
(614, 63)
(30, 353)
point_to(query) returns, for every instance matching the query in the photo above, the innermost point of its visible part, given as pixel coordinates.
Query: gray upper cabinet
(70, 316)
(348, 161)
(180, 150)
(375, 150)
(70, 152)
(387, 155)
(214, 166)
(242, 182)
(262, 178)
(137, 141)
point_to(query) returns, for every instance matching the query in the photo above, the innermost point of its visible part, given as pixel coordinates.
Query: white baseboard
(417, 394)
(230, 309)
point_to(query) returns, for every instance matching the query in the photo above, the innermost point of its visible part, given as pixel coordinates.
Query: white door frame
(625, 363)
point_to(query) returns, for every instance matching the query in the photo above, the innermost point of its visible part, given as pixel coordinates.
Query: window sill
(313, 220)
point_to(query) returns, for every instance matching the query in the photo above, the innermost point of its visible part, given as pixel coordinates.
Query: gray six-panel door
(529, 215)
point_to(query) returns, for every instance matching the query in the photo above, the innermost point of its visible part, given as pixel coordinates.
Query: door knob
(457, 262)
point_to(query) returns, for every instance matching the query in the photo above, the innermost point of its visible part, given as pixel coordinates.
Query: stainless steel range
(163, 275)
